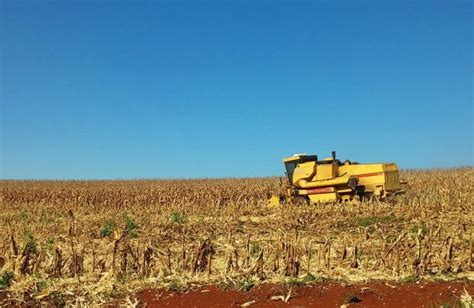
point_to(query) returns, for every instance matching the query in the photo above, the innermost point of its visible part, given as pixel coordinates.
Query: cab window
(290, 168)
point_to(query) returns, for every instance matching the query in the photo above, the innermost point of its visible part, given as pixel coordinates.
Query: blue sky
(106, 89)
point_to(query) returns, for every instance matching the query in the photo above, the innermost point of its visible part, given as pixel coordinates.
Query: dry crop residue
(99, 241)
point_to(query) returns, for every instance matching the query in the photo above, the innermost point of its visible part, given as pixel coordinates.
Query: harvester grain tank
(330, 180)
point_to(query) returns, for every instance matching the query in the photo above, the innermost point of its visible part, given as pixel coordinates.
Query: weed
(294, 282)
(57, 299)
(50, 244)
(370, 230)
(174, 286)
(308, 278)
(420, 227)
(366, 221)
(411, 279)
(107, 228)
(255, 250)
(241, 285)
(6, 280)
(225, 285)
(178, 218)
(245, 285)
(30, 242)
(451, 304)
(370, 220)
(40, 285)
(131, 226)
(23, 216)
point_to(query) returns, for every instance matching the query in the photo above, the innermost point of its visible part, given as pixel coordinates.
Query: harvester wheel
(360, 192)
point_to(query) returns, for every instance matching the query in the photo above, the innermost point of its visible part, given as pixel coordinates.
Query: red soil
(331, 294)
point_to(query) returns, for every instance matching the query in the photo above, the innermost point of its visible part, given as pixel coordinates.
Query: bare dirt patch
(330, 294)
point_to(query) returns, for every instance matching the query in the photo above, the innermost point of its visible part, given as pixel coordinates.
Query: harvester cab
(329, 180)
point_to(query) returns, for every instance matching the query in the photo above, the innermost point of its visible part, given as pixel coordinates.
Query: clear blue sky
(107, 89)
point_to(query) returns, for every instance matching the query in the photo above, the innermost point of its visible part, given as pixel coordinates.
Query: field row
(100, 239)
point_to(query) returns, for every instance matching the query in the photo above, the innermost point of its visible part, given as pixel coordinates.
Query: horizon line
(198, 178)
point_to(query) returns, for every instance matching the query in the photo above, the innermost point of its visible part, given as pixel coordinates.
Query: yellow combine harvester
(330, 180)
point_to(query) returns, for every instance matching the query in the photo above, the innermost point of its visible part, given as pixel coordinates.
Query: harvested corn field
(105, 241)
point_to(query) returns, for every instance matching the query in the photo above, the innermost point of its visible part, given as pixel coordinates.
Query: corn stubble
(98, 239)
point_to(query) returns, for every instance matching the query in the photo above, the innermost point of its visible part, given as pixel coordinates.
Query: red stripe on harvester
(368, 174)
(321, 190)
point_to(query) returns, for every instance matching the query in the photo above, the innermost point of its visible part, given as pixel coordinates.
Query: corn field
(98, 240)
